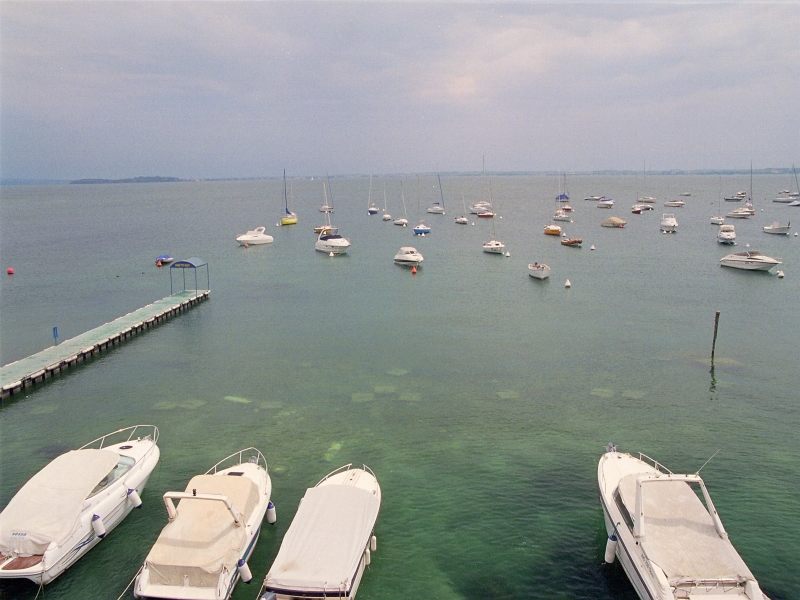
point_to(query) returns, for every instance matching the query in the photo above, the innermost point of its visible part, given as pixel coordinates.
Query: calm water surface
(481, 398)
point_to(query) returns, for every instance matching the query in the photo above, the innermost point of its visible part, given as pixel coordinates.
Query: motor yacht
(605, 203)
(408, 256)
(254, 237)
(666, 532)
(74, 502)
(777, 228)
(331, 540)
(726, 234)
(750, 260)
(332, 243)
(202, 551)
(669, 224)
(675, 203)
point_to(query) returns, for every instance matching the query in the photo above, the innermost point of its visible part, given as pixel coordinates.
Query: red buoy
(10, 271)
(413, 270)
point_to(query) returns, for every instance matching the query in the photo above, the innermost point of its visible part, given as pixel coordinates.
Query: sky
(246, 89)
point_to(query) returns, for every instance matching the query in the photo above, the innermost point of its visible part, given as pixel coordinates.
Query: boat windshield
(123, 466)
(623, 509)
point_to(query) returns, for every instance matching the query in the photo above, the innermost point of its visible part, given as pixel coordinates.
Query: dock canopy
(193, 263)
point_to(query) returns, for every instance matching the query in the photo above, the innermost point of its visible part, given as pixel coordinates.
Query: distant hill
(130, 180)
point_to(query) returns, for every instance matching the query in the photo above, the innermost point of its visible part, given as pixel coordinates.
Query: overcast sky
(196, 90)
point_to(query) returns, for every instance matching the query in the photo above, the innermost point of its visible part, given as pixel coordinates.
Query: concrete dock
(37, 368)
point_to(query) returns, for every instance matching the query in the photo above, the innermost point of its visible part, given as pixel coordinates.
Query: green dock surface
(18, 375)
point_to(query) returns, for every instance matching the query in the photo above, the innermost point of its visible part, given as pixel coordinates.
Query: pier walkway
(26, 372)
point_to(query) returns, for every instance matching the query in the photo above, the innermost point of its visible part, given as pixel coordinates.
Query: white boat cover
(47, 507)
(679, 533)
(322, 549)
(203, 539)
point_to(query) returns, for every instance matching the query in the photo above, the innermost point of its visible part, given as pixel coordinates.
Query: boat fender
(367, 557)
(373, 543)
(244, 571)
(98, 526)
(611, 548)
(134, 499)
(272, 515)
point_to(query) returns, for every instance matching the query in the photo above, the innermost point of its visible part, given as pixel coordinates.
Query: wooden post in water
(714, 342)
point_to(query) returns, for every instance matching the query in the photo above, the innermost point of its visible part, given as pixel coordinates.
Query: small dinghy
(329, 543)
(202, 552)
(74, 502)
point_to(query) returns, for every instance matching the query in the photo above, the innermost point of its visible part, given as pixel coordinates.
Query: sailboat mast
(285, 197)
(441, 193)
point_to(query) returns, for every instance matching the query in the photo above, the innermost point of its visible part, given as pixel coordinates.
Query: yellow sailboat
(289, 218)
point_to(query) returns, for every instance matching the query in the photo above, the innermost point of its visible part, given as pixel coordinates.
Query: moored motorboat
(572, 242)
(638, 209)
(164, 259)
(666, 532)
(617, 222)
(254, 237)
(408, 256)
(552, 230)
(332, 243)
(538, 270)
(494, 247)
(203, 550)
(726, 234)
(605, 203)
(421, 229)
(331, 539)
(675, 203)
(749, 260)
(777, 228)
(74, 502)
(669, 224)
(737, 197)
(562, 215)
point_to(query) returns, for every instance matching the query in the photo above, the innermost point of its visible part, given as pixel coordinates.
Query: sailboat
(462, 218)
(494, 246)
(645, 199)
(289, 218)
(326, 227)
(718, 219)
(386, 215)
(787, 196)
(402, 221)
(437, 208)
(371, 208)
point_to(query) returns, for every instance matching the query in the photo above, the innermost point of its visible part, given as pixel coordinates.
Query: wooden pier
(37, 368)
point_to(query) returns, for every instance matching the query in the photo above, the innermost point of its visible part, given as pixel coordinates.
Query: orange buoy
(10, 271)
(158, 263)
(413, 270)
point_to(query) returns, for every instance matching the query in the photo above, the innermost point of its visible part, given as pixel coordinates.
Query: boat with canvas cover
(750, 260)
(254, 237)
(202, 551)
(329, 543)
(408, 256)
(776, 228)
(74, 502)
(667, 534)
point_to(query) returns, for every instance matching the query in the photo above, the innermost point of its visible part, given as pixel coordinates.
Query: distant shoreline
(606, 172)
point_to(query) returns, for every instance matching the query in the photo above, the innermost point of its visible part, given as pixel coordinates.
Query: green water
(481, 398)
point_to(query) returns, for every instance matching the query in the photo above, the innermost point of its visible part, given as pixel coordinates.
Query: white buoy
(272, 515)
(134, 499)
(611, 548)
(795, 234)
(508, 253)
(331, 254)
(98, 526)
(244, 571)
(373, 543)
(592, 248)
(780, 274)
(567, 284)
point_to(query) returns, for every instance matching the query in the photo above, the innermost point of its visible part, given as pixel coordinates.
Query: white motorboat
(666, 532)
(462, 220)
(330, 542)
(332, 243)
(647, 200)
(776, 227)
(538, 270)
(594, 198)
(750, 260)
(726, 234)
(494, 247)
(202, 551)
(737, 197)
(638, 209)
(408, 256)
(740, 213)
(675, 203)
(606, 203)
(480, 206)
(74, 502)
(669, 224)
(254, 237)
(717, 220)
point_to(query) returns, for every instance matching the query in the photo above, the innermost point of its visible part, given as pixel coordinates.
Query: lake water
(480, 397)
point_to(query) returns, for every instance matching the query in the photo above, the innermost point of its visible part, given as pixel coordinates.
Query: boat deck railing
(245, 455)
(126, 434)
(347, 467)
(654, 463)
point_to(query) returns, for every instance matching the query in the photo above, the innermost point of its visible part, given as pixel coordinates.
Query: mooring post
(714, 342)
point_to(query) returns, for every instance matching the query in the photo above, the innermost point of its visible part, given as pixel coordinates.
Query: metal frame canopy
(189, 263)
